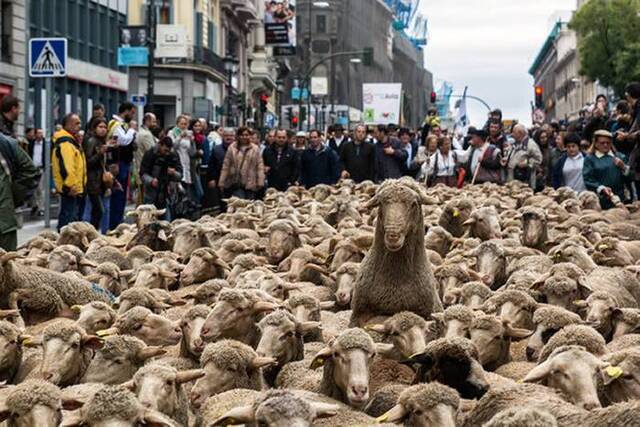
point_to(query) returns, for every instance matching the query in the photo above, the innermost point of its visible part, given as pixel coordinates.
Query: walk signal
(434, 97)
(539, 92)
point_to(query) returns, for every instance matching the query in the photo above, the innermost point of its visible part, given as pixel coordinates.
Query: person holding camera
(160, 169)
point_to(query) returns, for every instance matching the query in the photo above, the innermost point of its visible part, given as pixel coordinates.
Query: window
(198, 38)
(5, 31)
(213, 37)
(321, 24)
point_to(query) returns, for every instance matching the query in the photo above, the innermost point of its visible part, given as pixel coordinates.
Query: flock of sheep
(353, 305)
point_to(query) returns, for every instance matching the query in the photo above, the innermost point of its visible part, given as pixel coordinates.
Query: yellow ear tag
(383, 418)
(576, 302)
(520, 381)
(103, 333)
(415, 355)
(614, 371)
(456, 214)
(317, 362)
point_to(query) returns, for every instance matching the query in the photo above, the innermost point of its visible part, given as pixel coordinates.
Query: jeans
(90, 214)
(70, 210)
(119, 197)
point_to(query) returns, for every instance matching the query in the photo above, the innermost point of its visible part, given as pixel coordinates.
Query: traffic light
(294, 122)
(264, 100)
(303, 114)
(539, 92)
(289, 116)
(367, 56)
(434, 97)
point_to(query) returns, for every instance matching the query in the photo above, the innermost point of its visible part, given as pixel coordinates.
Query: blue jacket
(319, 167)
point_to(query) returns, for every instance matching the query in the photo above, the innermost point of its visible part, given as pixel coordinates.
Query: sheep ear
(584, 288)
(29, 341)
(5, 413)
(10, 256)
(539, 373)
(93, 342)
(372, 203)
(327, 305)
(438, 317)
(237, 415)
(393, 415)
(616, 313)
(107, 332)
(305, 327)
(580, 304)
(71, 404)
(162, 235)
(189, 375)
(321, 357)
(423, 359)
(384, 349)
(610, 373)
(262, 306)
(261, 362)
(152, 418)
(516, 333)
(149, 352)
(129, 385)
(132, 214)
(160, 212)
(470, 221)
(324, 410)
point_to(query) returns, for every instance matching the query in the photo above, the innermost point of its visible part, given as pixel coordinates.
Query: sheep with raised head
(396, 275)
(204, 264)
(141, 323)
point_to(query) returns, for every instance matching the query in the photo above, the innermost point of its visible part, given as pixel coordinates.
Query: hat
(477, 132)
(603, 133)
(301, 134)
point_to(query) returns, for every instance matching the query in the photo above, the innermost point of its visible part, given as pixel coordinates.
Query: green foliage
(609, 41)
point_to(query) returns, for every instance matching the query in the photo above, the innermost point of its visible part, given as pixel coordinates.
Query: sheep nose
(146, 404)
(48, 376)
(591, 405)
(359, 391)
(177, 330)
(530, 352)
(195, 399)
(198, 344)
(205, 332)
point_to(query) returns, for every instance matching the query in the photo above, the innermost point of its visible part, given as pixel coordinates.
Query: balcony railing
(204, 56)
(5, 48)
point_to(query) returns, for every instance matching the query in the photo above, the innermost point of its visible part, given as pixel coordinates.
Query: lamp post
(279, 91)
(230, 66)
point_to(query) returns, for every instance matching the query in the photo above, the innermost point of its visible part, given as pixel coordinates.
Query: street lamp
(279, 91)
(230, 66)
(355, 60)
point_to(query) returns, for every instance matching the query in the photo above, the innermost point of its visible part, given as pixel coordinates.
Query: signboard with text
(280, 26)
(381, 103)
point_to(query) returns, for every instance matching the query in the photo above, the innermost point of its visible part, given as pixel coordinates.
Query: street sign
(269, 120)
(48, 57)
(139, 99)
(132, 56)
(296, 93)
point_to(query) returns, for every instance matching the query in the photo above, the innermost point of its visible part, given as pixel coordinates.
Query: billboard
(280, 26)
(381, 103)
(133, 46)
(171, 41)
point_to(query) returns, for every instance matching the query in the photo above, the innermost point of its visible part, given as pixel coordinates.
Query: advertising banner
(381, 103)
(280, 26)
(171, 41)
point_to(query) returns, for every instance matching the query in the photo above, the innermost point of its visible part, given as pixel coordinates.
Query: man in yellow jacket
(69, 170)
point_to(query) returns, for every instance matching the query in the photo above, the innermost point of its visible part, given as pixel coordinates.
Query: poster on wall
(171, 41)
(381, 103)
(280, 26)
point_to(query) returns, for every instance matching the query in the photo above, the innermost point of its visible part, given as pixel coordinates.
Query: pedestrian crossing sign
(48, 57)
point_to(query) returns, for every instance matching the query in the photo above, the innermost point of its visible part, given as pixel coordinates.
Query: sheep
(278, 408)
(141, 323)
(345, 277)
(109, 276)
(79, 234)
(244, 263)
(160, 387)
(66, 352)
(624, 321)
(455, 320)
(32, 403)
(118, 359)
(512, 305)
(624, 342)
(490, 263)
(191, 322)
(599, 308)
(94, 316)
(115, 405)
(621, 381)
(474, 294)
(548, 320)
(343, 251)
(454, 215)
(483, 224)
(284, 237)
(154, 276)
(139, 256)
(534, 228)
(580, 335)
(145, 214)
(527, 416)
(68, 258)
(207, 292)
(281, 339)
(408, 333)
(307, 308)
(105, 253)
(519, 396)
(10, 350)
(492, 337)
(395, 275)
(155, 300)
(203, 265)
(425, 404)
(235, 315)
(228, 364)
(452, 362)
(154, 235)
(345, 364)
(187, 238)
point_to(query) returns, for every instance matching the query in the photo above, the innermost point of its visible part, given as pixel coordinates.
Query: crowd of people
(192, 167)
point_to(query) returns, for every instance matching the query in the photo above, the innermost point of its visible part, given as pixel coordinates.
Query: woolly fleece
(580, 335)
(23, 397)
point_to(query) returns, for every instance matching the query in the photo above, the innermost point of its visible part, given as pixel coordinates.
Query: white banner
(172, 41)
(381, 103)
(462, 119)
(319, 86)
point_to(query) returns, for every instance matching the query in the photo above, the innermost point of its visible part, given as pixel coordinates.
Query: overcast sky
(489, 46)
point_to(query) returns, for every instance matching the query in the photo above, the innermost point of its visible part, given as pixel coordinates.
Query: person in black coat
(319, 164)
(338, 139)
(159, 167)
(212, 197)
(391, 158)
(281, 163)
(358, 157)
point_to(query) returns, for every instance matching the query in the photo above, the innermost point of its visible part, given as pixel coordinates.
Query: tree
(609, 41)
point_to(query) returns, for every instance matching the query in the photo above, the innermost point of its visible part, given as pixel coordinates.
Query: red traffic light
(294, 120)
(264, 98)
(539, 90)
(434, 97)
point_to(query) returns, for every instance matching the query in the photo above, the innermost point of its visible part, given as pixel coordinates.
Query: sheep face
(573, 371)
(10, 354)
(154, 277)
(62, 261)
(201, 268)
(560, 291)
(63, 357)
(38, 415)
(191, 340)
(491, 264)
(159, 389)
(538, 339)
(412, 414)
(534, 226)
(611, 253)
(187, 239)
(395, 220)
(344, 252)
(484, 224)
(439, 240)
(232, 319)
(573, 254)
(599, 310)
(157, 330)
(146, 214)
(94, 317)
(282, 241)
(517, 315)
(622, 325)
(406, 341)
(282, 340)
(493, 339)
(624, 384)
(116, 364)
(346, 282)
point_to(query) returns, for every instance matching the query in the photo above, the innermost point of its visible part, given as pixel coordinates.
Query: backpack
(23, 182)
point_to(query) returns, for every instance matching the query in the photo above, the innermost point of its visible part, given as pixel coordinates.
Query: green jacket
(601, 172)
(25, 174)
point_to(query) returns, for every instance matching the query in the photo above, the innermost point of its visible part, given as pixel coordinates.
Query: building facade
(92, 72)
(543, 70)
(13, 52)
(191, 83)
(349, 26)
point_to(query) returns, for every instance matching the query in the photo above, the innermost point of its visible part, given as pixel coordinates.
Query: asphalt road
(32, 228)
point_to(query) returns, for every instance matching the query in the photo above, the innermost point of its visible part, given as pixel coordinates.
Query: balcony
(204, 56)
(5, 48)
(245, 10)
